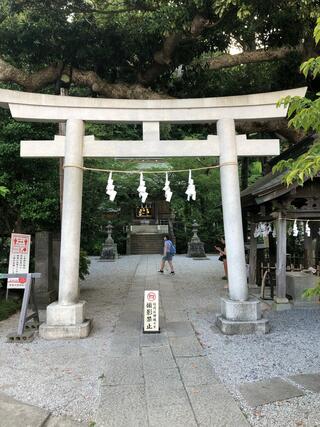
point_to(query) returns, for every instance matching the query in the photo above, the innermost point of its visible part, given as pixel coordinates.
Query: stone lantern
(109, 249)
(195, 246)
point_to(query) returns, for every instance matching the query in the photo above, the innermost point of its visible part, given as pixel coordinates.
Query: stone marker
(45, 292)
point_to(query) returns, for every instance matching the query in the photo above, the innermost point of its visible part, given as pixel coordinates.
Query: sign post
(28, 295)
(151, 312)
(19, 260)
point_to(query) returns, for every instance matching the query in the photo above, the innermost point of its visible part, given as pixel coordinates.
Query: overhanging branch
(33, 82)
(279, 126)
(249, 57)
(113, 90)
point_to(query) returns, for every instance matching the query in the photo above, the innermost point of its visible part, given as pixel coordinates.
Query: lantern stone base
(242, 317)
(65, 322)
(281, 304)
(196, 250)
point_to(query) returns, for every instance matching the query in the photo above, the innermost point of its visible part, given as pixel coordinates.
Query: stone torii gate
(66, 317)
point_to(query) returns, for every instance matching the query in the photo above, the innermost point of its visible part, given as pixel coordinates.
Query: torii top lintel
(54, 108)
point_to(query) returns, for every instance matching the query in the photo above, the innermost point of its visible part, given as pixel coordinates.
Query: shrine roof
(271, 186)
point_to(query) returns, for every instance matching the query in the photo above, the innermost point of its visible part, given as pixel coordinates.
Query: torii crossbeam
(66, 318)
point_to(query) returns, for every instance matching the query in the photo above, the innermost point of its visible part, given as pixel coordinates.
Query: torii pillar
(66, 318)
(240, 314)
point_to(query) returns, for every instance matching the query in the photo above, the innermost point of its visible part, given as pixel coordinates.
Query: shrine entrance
(66, 317)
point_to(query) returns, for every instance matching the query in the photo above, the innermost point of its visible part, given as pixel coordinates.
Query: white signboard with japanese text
(151, 311)
(19, 259)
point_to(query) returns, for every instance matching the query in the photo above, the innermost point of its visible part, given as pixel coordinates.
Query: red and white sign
(19, 259)
(151, 311)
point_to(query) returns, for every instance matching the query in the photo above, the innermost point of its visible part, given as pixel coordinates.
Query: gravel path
(63, 376)
(292, 347)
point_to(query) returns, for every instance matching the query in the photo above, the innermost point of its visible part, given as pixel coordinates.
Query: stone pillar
(232, 215)
(44, 288)
(66, 318)
(281, 302)
(240, 314)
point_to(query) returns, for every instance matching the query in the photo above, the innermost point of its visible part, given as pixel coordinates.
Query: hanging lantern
(110, 188)
(191, 190)
(167, 190)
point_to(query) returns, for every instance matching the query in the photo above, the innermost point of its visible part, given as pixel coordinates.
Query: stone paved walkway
(163, 379)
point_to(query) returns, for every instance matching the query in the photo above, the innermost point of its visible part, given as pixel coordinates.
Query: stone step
(146, 244)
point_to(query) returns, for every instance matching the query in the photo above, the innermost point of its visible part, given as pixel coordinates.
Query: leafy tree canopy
(304, 114)
(132, 48)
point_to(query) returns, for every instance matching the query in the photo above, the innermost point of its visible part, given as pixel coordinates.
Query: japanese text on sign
(151, 311)
(19, 259)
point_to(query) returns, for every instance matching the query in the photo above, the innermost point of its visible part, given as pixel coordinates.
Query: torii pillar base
(65, 322)
(242, 317)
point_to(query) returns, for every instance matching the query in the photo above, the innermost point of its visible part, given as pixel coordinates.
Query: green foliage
(304, 113)
(84, 264)
(3, 191)
(8, 308)
(255, 172)
(312, 292)
(4, 253)
(32, 196)
(306, 166)
(316, 32)
(312, 65)
(118, 39)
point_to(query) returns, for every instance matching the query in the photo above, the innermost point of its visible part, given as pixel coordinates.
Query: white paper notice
(151, 311)
(19, 259)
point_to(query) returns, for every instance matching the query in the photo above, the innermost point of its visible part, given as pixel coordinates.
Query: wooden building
(150, 222)
(270, 200)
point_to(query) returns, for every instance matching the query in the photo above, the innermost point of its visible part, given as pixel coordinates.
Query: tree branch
(113, 90)
(279, 126)
(163, 58)
(261, 55)
(31, 82)
(35, 81)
